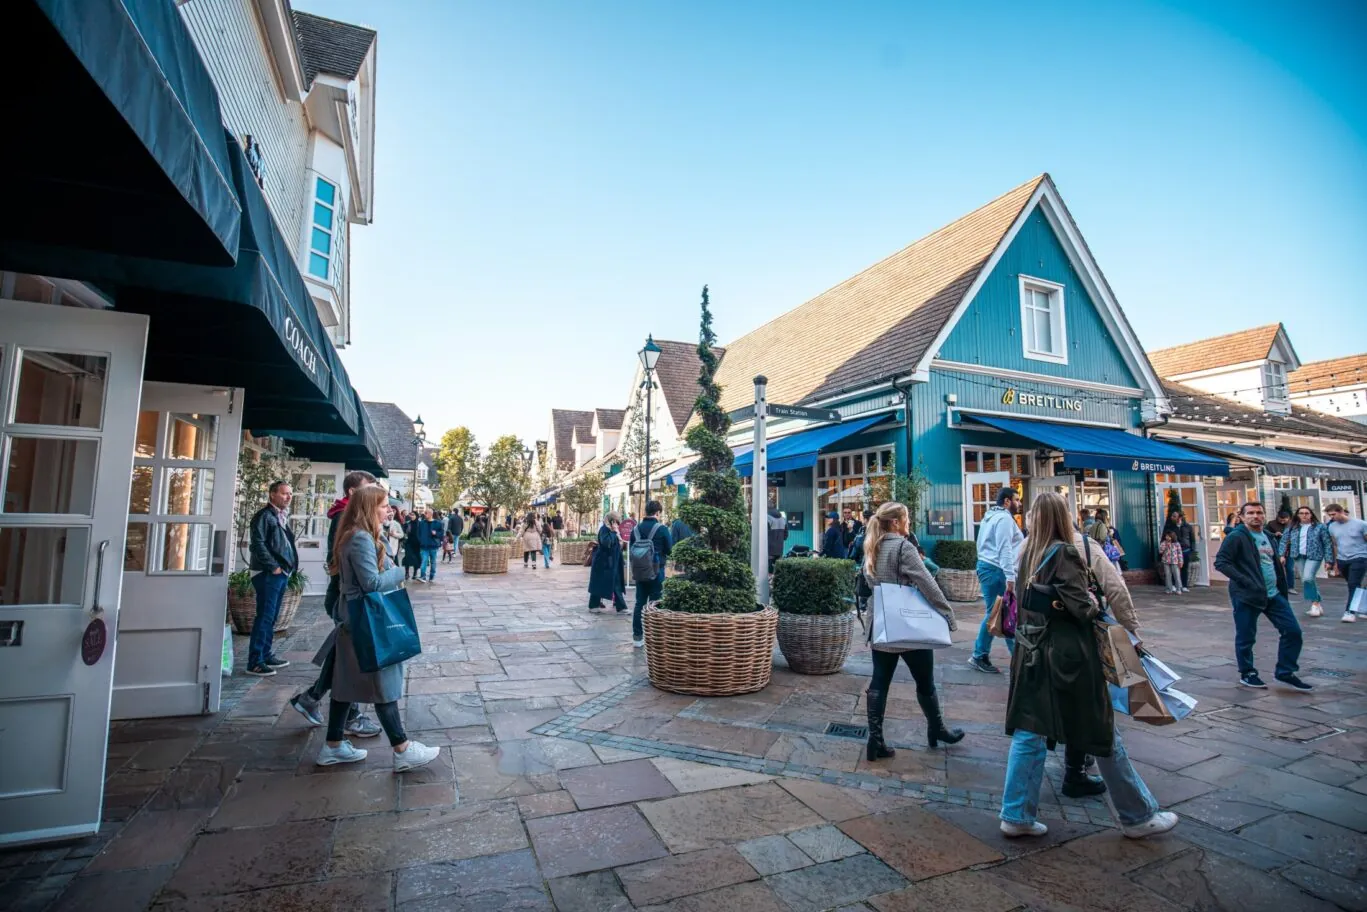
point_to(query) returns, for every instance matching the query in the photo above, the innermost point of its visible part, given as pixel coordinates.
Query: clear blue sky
(555, 180)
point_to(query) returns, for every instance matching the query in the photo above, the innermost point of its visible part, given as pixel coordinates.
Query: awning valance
(1282, 462)
(1108, 448)
(800, 450)
(356, 451)
(116, 137)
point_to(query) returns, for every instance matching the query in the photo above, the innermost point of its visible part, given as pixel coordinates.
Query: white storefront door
(1192, 497)
(69, 385)
(1063, 485)
(980, 495)
(180, 520)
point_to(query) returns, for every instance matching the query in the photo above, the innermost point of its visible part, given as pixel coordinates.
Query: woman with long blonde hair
(1058, 687)
(362, 566)
(890, 558)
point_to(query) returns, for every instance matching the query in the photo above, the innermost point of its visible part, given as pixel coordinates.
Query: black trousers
(920, 662)
(389, 720)
(1186, 566)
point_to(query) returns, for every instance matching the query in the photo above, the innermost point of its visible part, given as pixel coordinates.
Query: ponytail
(880, 524)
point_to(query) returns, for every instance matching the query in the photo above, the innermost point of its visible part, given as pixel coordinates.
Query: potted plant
(295, 588)
(583, 495)
(242, 600)
(707, 636)
(500, 480)
(814, 598)
(958, 576)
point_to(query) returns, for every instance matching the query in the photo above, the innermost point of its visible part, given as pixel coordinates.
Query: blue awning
(798, 451)
(122, 147)
(1283, 462)
(1107, 448)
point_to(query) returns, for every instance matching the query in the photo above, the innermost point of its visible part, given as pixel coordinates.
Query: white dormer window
(422, 473)
(1044, 334)
(325, 200)
(1274, 381)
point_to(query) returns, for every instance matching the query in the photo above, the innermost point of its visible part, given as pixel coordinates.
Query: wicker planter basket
(710, 655)
(242, 610)
(571, 553)
(484, 558)
(959, 585)
(815, 644)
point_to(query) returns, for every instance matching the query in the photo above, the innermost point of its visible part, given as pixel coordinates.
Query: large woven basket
(242, 610)
(710, 655)
(815, 644)
(959, 585)
(571, 553)
(484, 558)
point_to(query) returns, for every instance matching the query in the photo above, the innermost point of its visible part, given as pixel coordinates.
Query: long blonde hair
(1048, 523)
(359, 515)
(880, 525)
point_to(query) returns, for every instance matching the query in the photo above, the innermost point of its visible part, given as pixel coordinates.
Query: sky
(556, 180)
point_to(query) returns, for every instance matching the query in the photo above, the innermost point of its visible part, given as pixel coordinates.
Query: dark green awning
(355, 451)
(115, 135)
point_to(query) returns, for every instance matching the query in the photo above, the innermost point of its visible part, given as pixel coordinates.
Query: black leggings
(921, 663)
(389, 720)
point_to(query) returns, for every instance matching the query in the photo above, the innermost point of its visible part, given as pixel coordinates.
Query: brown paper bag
(1119, 660)
(1147, 706)
(994, 619)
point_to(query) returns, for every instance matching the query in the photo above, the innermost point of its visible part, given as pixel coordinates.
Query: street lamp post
(650, 354)
(419, 438)
(526, 465)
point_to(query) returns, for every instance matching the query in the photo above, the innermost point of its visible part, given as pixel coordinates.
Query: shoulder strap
(656, 528)
(1048, 555)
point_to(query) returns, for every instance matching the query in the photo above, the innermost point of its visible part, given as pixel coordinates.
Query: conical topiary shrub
(707, 635)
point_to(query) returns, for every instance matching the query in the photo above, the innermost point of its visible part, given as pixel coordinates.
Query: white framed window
(422, 472)
(1044, 331)
(322, 228)
(1274, 381)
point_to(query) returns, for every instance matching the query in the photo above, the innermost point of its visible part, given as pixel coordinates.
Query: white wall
(1350, 403)
(1244, 385)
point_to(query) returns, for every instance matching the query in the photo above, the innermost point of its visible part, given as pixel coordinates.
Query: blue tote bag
(383, 629)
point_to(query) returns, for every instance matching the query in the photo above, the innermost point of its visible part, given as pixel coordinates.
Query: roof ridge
(352, 25)
(1228, 335)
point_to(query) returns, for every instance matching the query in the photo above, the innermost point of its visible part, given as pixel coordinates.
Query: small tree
(502, 480)
(1174, 503)
(457, 461)
(256, 469)
(584, 495)
(717, 577)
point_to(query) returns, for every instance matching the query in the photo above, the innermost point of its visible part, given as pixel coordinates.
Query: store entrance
(1189, 494)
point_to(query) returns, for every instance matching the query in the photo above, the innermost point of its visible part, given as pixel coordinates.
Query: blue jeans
(992, 579)
(270, 591)
(429, 564)
(1279, 612)
(1306, 570)
(1129, 798)
(645, 592)
(546, 554)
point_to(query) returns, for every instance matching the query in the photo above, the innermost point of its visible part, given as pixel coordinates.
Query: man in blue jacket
(1257, 585)
(431, 531)
(656, 533)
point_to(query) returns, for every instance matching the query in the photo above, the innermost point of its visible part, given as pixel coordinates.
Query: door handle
(96, 608)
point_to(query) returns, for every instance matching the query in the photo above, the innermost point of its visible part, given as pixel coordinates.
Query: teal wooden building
(990, 352)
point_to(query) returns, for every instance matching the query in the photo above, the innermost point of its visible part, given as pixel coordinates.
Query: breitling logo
(1039, 400)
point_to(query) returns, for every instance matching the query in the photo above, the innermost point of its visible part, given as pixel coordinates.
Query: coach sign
(299, 344)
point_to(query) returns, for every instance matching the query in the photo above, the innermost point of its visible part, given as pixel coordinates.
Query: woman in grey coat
(363, 566)
(890, 558)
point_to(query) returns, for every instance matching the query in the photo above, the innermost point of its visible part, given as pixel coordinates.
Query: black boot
(1076, 782)
(876, 701)
(935, 723)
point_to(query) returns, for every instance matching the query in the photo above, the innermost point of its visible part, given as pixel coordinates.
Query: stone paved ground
(566, 782)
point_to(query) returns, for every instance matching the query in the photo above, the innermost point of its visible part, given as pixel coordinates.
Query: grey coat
(360, 573)
(899, 562)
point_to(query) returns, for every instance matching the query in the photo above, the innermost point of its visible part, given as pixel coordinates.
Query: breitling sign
(1040, 400)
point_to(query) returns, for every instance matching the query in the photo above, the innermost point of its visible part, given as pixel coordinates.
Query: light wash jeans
(1172, 576)
(1306, 570)
(546, 554)
(992, 580)
(1129, 798)
(428, 570)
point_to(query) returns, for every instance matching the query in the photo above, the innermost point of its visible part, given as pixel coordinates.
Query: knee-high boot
(876, 701)
(935, 723)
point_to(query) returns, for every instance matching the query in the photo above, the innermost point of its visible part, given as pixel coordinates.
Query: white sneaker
(417, 754)
(1185, 589)
(1315, 610)
(1012, 830)
(1158, 823)
(342, 753)
(639, 644)
(1349, 617)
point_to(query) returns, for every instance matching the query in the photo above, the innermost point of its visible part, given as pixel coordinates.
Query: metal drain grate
(1330, 673)
(1312, 738)
(845, 730)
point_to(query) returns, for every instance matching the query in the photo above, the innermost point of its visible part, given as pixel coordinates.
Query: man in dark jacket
(851, 528)
(1186, 540)
(307, 703)
(650, 530)
(273, 559)
(833, 542)
(1257, 585)
(455, 525)
(430, 533)
(778, 534)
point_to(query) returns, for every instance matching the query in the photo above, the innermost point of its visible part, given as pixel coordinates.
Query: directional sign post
(759, 498)
(802, 412)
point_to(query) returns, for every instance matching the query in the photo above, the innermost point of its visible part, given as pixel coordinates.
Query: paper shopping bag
(903, 620)
(1159, 673)
(994, 619)
(1147, 706)
(1119, 661)
(1359, 603)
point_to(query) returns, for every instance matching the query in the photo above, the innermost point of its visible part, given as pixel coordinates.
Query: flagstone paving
(565, 782)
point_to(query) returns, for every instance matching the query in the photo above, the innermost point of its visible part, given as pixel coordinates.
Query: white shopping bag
(1359, 603)
(227, 663)
(1160, 674)
(903, 619)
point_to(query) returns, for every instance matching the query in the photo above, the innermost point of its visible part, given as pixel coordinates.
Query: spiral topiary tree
(716, 575)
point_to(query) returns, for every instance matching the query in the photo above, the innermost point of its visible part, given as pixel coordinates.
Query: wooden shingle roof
(394, 428)
(610, 419)
(1253, 344)
(563, 423)
(1335, 373)
(1191, 404)
(329, 46)
(882, 320)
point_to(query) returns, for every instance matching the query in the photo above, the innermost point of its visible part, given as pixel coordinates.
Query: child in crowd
(1170, 554)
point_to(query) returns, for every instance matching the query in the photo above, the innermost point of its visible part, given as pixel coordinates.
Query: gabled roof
(583, 434)
(677, 372)
(1253, 344)
(1191, 404)
(610, 419)
(329, 46)
(394, 428)
(563, 423)
(1336, 373)
(885, 318)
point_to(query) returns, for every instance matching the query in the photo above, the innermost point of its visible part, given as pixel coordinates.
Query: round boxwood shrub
(956, 555)
(820, 585)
